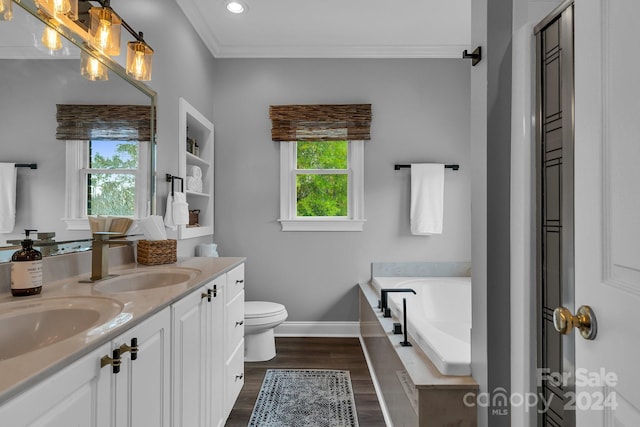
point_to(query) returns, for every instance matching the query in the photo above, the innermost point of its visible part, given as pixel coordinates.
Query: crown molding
(345, 51)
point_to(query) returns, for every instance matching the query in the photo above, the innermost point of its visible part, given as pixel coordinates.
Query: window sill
(76, 223)
(83, 224)
(322, 224)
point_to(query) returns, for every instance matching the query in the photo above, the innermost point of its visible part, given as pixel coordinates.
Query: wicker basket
(155, 252)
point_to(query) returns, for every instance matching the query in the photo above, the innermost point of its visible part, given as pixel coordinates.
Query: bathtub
(438, 317)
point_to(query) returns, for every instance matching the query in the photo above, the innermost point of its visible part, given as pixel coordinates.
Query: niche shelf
(199, 129)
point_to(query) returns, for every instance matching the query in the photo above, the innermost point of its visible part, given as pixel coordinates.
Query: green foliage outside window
(322, 194)
(112, 193)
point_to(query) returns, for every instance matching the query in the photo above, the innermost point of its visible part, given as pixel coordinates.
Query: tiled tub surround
(415, 392)
(62, 275)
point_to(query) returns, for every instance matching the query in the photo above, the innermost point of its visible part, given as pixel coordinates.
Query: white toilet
(260, 317)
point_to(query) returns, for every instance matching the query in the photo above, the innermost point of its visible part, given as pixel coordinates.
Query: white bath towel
(194, 171)
(427, 198)
(8, 177)
(194, 184)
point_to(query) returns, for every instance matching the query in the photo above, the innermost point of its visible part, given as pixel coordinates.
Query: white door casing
(607, 210)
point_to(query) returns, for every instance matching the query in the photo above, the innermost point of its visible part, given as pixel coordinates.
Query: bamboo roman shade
(326, 122)
(103, 122)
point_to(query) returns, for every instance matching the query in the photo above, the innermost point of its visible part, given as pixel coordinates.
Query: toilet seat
(256, 310)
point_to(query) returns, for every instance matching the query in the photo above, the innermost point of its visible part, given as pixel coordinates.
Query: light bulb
(139, 67)
(103, 34)
(92, 69)
(51, 39)
(61, 6)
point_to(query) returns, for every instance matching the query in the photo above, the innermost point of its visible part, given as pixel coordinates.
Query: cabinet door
(143, 385)
(234, 324)
(78, 395)
(235, 282)
(217, 365)
(235, 378)
(190, 319)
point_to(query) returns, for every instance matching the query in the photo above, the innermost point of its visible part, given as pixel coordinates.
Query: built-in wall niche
(196, 149)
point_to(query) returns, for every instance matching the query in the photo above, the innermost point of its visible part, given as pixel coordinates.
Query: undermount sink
(26, 326)
(136, 280)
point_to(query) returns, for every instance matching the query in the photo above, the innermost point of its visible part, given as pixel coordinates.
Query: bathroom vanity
(155, 346)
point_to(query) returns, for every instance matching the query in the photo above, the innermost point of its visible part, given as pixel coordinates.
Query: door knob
(585, 320)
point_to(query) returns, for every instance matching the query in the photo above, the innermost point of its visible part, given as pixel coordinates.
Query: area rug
(305, 398)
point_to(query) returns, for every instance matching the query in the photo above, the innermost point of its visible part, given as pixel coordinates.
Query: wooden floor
(313, 353)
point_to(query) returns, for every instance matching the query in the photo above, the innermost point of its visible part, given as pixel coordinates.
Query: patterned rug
(305, 398)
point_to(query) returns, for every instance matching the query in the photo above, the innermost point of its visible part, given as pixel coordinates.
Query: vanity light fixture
(61, 7)
(92, 69)
(139, 59)
(235, 6)
(105, 29)
(6, 13)
(103, 34)
(51, 39)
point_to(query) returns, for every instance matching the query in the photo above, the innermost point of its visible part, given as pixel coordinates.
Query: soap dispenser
(26, 269)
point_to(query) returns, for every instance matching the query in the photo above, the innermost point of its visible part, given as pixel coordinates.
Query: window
(322, 186)
(105, 177)
(321, 165)
(108, 152)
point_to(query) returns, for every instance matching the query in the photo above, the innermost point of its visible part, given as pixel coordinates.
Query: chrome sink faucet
(100, 254)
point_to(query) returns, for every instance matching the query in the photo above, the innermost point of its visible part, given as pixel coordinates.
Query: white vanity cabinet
(86, 393)
(197, 326)
(77, 395)
(142, 387)
(208, 351)
(181, 367)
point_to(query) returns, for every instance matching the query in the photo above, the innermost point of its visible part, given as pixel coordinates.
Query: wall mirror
(33, 79)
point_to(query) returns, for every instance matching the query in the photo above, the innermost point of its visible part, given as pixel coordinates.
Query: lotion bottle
(26, 269)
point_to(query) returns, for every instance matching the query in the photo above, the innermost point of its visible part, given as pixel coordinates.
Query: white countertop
(19, 373)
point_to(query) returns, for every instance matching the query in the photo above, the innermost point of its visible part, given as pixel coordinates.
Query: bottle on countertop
(26, 269)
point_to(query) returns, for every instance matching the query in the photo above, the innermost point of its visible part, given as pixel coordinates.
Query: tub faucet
(384, 304)
(100, 254)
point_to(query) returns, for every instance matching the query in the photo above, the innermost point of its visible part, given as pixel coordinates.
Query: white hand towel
(8, 178)
(194, 171)
(168, 214)
(180, 209)
(427, 198)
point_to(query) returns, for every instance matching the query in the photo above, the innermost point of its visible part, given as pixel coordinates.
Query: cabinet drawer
(235, 378)
(235, 282)
(235, 324)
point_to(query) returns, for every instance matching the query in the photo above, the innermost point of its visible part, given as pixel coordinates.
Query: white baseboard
(318, 329)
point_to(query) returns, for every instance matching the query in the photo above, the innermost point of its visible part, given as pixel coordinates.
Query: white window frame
(288, 172)
(77, 168)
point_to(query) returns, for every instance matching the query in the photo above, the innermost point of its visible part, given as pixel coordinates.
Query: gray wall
(182, 67)
(420, 113)
(491, 128)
